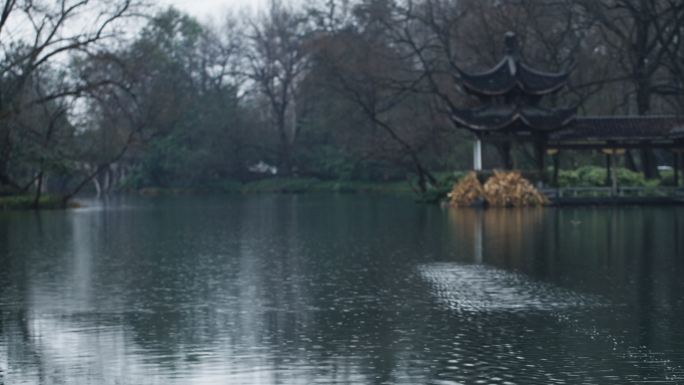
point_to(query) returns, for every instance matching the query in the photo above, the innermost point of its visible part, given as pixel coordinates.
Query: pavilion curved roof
(511, 73)
(501, 117)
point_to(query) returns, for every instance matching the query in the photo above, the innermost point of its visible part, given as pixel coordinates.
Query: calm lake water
(340, 290)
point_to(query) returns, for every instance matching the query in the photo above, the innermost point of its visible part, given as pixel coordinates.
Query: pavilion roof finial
(510, 96)
(512, 44)
(512, 73)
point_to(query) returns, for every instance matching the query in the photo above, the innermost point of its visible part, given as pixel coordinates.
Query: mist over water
(339, 290)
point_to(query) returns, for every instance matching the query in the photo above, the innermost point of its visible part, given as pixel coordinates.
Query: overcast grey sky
(204, 9)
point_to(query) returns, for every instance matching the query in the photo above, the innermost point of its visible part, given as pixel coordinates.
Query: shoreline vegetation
(288, 186)
(588, 176)
(503, 189)
(28, 202)
(265, 186)
(366, 96)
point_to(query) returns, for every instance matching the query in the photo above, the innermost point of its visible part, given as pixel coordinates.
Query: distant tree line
(110, 94)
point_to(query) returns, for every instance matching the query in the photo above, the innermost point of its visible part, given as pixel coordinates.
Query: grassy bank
(26, 202)
(288, 186)
(588, 176)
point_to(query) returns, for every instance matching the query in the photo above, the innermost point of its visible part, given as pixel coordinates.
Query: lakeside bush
(511, 189)
(466, 192)
(587, 176)
(502, 189)
(593, 176)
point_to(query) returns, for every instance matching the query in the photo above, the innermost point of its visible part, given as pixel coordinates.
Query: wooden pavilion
(512, 108)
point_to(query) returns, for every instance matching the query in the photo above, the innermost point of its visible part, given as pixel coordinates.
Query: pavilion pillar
(608, 170)
(681, 164)
(514, 158)
(556, 167)
(611, 174)
(477, 154)
(541, 162)
(677, 164)
(505, 153)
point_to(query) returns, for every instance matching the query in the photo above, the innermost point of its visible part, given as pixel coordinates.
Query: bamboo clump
(503, 189)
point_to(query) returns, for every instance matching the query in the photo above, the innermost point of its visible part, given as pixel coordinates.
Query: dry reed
(467, 191)
(510, 189)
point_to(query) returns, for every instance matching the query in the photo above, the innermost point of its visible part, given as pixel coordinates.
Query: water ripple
(480, 288)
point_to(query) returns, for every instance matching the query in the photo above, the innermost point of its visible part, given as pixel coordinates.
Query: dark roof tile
(511, 73)
(623, 128)
(496, 118)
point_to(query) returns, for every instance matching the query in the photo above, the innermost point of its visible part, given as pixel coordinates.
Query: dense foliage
(339, 92)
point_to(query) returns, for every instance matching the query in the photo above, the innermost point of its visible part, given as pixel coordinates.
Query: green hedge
(25, 202)
(593, 176)
(313, 185)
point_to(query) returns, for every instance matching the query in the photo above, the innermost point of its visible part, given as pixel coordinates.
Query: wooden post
(613, 175)
(676, 168)
(555, 156)
(611, 172)
(556, 168)
(611, 168)
(608, 170)
(681, 164)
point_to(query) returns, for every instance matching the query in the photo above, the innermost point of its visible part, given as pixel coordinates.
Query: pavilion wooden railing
(608, 192)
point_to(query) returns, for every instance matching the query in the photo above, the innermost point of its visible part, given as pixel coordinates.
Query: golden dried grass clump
(506, 189)
(466, 192)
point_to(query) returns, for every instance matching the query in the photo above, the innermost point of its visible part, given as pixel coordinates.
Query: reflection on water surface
(480, 288)
(340, 290)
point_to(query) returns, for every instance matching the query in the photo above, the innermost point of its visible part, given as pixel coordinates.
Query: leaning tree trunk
(648, 158)
(630, 163)
(39, 191)
(285, 158)
(642, 79)
(425, 178)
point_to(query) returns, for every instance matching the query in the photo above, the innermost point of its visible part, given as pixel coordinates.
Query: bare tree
(38, 35)
(277, 55)
(369, 69)
(640, 34)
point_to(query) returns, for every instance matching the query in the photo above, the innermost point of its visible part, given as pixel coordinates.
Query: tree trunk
(98, 187)
(284, 150)
(284, 160)
(643, 96)
(630, 163)
(39, 191)
(109, 179)
(676, 169)
(649, 163)
(424, 176)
